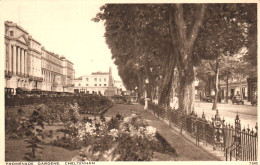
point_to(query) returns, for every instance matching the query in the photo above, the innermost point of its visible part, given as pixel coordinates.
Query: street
(247, 113)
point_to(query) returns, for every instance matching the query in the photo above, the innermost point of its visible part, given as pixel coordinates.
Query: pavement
(247, 113)
(185, 147)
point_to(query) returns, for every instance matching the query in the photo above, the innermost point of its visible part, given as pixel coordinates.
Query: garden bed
(60, 129)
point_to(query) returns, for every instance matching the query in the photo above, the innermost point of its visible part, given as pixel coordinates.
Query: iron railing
(236, 144)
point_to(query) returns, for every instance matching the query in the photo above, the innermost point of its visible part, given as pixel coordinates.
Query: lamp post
(146, 95)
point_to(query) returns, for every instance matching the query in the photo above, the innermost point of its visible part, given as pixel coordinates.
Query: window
(86, 84)
(100, 85)
(79, 84)
(86, 79)
(95, 79)
(95, 84)
(105, 79)
(99, 79)
(105, 84)
(11, 33)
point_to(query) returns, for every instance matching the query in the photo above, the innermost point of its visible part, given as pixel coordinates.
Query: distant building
(96, 83)
(29, 66)
(120, 87)
(237, 85)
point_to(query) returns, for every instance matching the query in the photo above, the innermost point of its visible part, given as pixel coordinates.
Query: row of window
(51, 67)
(51, 58)
(100, 79)
(88, 92)
(95, 85)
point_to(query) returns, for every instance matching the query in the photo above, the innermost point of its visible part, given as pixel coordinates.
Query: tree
(179, 35)
(216, 39)
(136, 33)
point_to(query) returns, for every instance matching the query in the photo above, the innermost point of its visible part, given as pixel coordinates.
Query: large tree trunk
(183, 42)
(214, 107)
(166, 85)
(187, 89)
(227, 88)
(140, 84)
(240, 87)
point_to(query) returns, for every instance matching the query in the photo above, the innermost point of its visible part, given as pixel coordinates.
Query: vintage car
(237, 99)
(207, 99)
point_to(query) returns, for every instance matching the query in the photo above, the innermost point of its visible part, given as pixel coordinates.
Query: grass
(15, 149)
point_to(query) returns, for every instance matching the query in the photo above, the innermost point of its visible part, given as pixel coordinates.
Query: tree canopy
(149, 41)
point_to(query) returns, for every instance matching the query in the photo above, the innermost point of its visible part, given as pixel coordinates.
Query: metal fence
(236, 143)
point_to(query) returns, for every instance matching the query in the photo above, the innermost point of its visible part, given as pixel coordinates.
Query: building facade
(17, 58)
(29, 66)
(34, 65)
(237, 85)
(96, 83)
(68, 70)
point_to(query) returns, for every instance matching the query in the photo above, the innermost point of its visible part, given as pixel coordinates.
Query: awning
(37, 90)
(22, 89)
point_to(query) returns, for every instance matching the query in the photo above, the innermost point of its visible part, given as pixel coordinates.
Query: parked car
(207, 99)
(237, 99)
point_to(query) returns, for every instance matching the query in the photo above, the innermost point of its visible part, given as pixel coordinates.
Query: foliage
(15, 124)
(34, 130)
(93, 104)
(70, 118)
(170, 36)
(127, 138)
(29, 127)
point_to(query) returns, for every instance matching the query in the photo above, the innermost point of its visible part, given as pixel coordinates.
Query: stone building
(68, 70)
(52, 71)
(237, 85)
(17, 58)
(29, 66)
(34, 65)
(96, 83)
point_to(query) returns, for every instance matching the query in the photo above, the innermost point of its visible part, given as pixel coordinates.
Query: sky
(65, 28)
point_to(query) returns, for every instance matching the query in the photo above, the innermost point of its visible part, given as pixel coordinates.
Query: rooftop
(10, 23)
(99, 73)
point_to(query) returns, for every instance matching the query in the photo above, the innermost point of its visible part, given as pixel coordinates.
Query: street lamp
(146, 95)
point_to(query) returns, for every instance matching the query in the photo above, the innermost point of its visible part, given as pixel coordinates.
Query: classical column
(31, 57)
(28, 63)
(25, 62)
(10, 58)
(19, 60)
(22, 63)
(14, 59)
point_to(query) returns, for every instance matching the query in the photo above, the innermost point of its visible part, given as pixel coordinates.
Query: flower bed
(128, 139)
